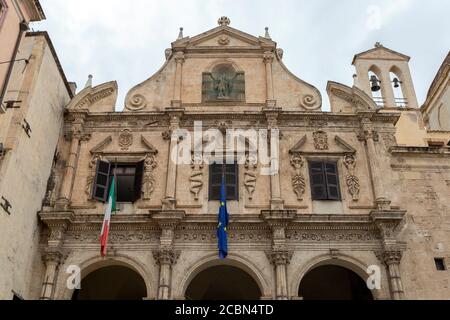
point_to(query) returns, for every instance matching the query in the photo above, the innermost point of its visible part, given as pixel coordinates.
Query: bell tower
(385, 76)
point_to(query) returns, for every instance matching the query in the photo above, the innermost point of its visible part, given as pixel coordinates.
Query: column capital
(387, 223)
(279, 256)
(166, 256)
(54, 256)
(390, 256)
(179, 57)
(268, 57)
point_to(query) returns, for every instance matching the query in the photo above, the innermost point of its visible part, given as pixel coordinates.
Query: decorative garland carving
(196, 178)
(298, 180)
(148, 181)
(351, 179)
(250, 177)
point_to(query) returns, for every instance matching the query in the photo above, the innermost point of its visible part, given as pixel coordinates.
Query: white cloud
(125, 41)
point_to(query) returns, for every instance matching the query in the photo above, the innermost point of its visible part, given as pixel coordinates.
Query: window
(231, 172)
(128, 183)
(324, 180)
(440, 264)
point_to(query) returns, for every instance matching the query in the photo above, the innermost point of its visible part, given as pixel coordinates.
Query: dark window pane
(125, 188)
(332, 179)
(231, 181)
(102, 179)
(440, 265)
(103, 167)
(99, 192)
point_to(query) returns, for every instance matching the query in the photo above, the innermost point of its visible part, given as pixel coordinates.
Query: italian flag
(110, 208)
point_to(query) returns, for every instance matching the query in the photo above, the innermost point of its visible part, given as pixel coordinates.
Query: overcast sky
(125, 40)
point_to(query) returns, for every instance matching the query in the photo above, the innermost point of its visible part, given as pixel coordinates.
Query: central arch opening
(332, 282)
(223, 283)
(112, 283)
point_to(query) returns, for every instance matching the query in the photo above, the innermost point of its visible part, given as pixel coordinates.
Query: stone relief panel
(148, 181)
(250, 175)
(320, 140)
(196, 178)
(125, 139)
(350, 178)
(298, 179)
(223, 84)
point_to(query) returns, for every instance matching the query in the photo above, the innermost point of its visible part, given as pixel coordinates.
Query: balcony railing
(399, 102)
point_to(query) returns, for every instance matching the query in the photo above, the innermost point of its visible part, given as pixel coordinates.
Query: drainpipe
(23, 28)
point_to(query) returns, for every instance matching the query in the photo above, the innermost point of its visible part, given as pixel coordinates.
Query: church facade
(347, 204)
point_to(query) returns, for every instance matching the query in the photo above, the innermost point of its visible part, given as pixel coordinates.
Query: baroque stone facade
(391, 208)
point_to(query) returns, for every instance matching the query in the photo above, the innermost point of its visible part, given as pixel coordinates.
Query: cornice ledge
(57, 218)
(333, 218)
(419, 150)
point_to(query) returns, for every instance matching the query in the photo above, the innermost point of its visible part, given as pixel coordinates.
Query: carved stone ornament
(196, 178)
(298, 179)
(280, 257)
(390, 257)
(148, 181)
(125, 139)
(320, 140)
(224, 21)
(224, 40)
(136, 102)
(166, 256)
(351, 179)
(250, 177)
(310, 103)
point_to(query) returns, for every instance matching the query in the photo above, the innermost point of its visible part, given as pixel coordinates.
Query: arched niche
(223, 82)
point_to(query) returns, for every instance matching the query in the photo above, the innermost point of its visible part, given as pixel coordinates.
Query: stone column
(54, 254)
(279, 256)
(268, 60)
(76, 135)
(280, 259)
(179, 60)
(386, 89)
(370, 136)
(52, 260)
(276, 201)
(169, 202)
(388, 223)
(165, 258)
(392, 258)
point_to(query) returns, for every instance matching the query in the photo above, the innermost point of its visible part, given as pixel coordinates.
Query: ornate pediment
(381, 53)
(102, 145)
(100, 98)
(343, 97)
(223, 37)
(321, 145)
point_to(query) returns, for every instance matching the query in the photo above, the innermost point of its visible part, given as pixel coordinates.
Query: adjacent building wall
(25, 169)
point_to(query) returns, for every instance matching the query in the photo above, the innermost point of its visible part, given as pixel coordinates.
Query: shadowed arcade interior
(331, 282)
(112, 283)
(223, 283)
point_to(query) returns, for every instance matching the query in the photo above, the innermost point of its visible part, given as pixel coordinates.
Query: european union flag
(222, 235)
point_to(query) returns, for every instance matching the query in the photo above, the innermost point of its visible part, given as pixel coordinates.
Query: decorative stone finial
(89, 81)
(180, 35)
(267, 35)
(378, 45)
(224, 21)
